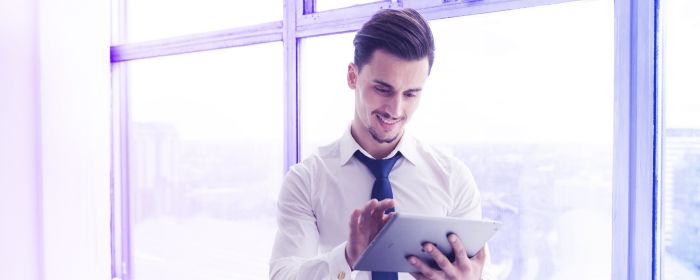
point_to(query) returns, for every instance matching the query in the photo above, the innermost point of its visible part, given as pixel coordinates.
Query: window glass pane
(326, 102)
(155, 19)
(680, 188)
(525, 98)
(205, 162)
(324, 5)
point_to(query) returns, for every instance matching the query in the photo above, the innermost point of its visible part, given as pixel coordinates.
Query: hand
(463, 268)
(364, 225)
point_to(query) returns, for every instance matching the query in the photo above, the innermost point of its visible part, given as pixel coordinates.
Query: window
(324, 5)
(680, 192)
(157, 19)
(326, 104)
(525, 91)
(205, 160)
(539, 145)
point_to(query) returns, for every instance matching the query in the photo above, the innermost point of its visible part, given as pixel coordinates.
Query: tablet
(404, 234)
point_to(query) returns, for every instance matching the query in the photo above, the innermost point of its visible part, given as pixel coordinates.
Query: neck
(368, 143)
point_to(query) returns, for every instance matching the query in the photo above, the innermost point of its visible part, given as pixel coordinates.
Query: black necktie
(381, 189)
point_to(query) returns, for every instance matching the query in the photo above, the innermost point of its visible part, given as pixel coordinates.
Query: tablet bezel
(404, 234)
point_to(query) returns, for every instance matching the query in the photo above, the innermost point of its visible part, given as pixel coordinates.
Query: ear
(352, 75)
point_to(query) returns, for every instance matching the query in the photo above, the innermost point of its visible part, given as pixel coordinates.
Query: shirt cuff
(338, 264)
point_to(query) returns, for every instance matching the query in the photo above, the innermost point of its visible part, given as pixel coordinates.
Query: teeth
(388, 121)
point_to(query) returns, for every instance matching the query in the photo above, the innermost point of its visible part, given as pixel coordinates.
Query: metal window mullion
(320, 18)
(660, 136)
(309, 7)
(116, 184)
(634, 178)
(121, 192)
(119, 209)
(235, 37)
(292, 8)
(338, 20)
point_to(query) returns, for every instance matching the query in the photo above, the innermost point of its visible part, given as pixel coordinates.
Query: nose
(393, 105)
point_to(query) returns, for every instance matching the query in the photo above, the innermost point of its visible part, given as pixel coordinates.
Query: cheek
(412, 105)
(370, 101)
(363, 103)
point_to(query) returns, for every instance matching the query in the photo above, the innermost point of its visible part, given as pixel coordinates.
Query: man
(375, 160)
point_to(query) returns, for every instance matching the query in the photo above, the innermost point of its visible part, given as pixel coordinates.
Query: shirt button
(341, 275)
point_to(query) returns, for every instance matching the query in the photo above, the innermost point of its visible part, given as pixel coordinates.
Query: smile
(387, 122)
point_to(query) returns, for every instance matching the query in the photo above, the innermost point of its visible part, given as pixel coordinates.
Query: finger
(381, 208)
(354, 217)
(355, 239)
(387, 203)
(353, 246)
(477, 261)
(480, 256)
(387, 217)
(418, 276)
(442, 261)
(378, 211)
(425, 270)
(367, 211)
(461, 257)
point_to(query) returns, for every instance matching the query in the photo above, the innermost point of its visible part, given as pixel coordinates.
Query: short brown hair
(403, 33)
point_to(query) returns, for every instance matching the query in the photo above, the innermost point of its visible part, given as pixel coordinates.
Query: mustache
(388, 116)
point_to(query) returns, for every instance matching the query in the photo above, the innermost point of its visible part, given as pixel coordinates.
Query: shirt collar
(348, 146)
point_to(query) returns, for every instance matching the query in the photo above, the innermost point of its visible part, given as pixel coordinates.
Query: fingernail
(429, 248)
(412, 260)
(452, 238)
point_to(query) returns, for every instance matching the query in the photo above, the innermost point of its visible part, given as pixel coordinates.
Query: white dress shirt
(319, 194)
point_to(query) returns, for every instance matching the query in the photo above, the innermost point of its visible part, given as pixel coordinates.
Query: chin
(383, 139)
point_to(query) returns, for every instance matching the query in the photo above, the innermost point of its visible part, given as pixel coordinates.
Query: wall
(54, 139)
(19, 181)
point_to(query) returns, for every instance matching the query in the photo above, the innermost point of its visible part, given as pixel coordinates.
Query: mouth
(386, 121)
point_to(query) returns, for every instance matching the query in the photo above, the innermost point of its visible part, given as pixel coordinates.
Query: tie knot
(380, 168)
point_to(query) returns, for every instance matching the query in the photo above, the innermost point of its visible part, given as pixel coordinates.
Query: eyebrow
(392, 87)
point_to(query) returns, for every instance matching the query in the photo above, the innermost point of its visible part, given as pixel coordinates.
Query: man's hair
(403, 33)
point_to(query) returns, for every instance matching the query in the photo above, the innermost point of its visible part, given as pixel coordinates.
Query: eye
(382, 90)
(410, 94)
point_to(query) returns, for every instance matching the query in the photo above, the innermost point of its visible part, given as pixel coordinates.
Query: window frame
(635, 157)
(635, 178)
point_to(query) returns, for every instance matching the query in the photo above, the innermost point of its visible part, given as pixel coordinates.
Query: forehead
(396, 71)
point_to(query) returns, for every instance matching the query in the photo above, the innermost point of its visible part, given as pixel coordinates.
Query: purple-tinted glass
(325, 102)
(680, 187)
(205, 162)
(155, 19)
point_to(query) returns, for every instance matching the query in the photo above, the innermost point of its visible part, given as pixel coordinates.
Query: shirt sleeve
(467, 204)
(295, 254)
(467, 199)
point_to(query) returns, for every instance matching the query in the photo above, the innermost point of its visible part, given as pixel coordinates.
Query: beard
(380, 140)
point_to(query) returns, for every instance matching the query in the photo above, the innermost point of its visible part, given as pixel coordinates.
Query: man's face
(387, 92)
